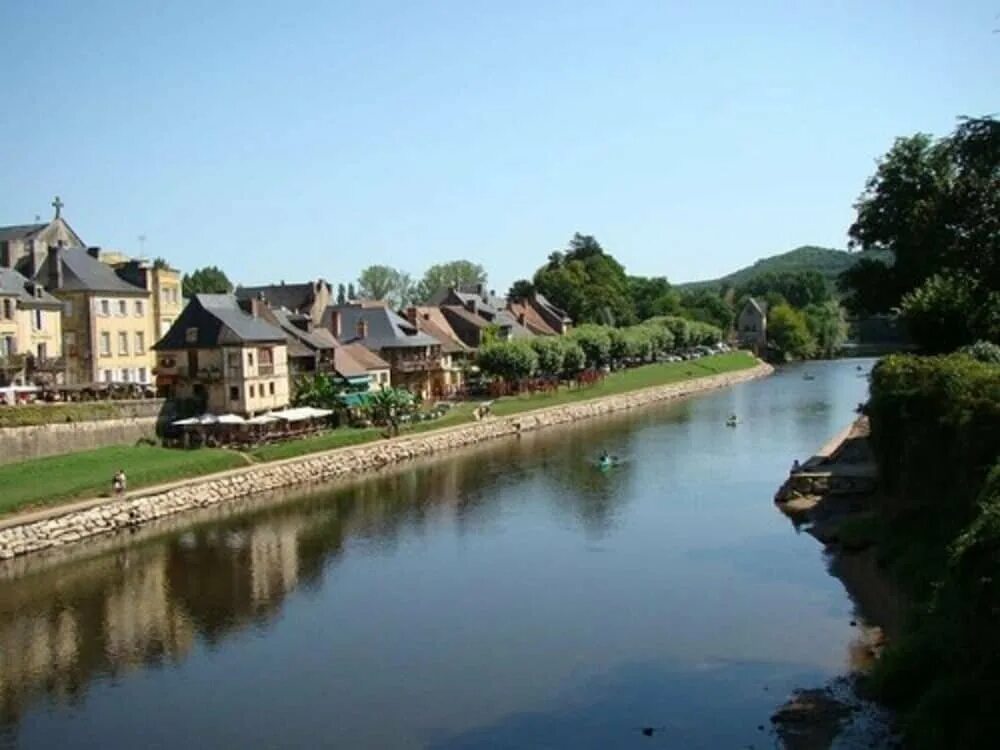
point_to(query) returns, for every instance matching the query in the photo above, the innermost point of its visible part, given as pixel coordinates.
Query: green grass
(46, 481)
(25, 415)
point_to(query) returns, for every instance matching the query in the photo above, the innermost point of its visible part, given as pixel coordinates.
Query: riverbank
(55, 527)
(831, 496)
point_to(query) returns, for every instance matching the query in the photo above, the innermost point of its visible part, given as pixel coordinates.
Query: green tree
(452, 274)
(788, 334)
(940, 313)
(510, 360)
(799, 288)
(352, 295)
(551, 353)
(826, 326)
(707, 307)
(385, 283)
(520, 290)
(208, 280)
(595, 340)
(588, 283)
(341, 294)
(160, 263)
(653, 296)
(574, 359)
(319, 390)
(387, 405)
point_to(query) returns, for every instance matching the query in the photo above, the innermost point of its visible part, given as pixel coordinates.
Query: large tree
(208, 280)
(444, 275)
(799, 288)
(935, 204)
(386, 284)
(588, 283)
(653, 296)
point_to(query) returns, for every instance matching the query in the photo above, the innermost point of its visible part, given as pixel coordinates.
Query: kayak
(607, 463)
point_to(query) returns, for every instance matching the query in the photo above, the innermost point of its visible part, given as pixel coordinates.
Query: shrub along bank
(935, 426)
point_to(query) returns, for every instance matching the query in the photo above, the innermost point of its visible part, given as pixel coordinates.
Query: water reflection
(470, 585)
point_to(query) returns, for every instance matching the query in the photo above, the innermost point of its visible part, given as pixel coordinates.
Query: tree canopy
(385, 283)
(207, 280)
(444, 275)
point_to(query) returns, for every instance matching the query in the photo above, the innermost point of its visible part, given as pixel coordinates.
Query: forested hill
(826, 261)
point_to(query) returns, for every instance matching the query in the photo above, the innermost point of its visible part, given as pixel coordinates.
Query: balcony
(419, 364)
(265, 370)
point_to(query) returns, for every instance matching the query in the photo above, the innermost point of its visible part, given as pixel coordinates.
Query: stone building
(308, 299)
(30, 332)
(751, 325)
(486, 306)
(457, 356)
(163, 284)
(224, 359)
(540, 316)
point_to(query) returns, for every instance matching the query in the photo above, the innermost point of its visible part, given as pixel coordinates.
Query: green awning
(352, 400)
(358, 380)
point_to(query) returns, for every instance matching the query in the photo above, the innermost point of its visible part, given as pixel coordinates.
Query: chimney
(94, 252)
(521, 318)
(362, 329)
(56, 266)
(470, 305)
(411, 315)
(335, 323)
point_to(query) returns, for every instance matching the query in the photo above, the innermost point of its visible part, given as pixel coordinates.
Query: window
(122, 343)
(251, 391)
(105, 307)
(107, 376)
(175, 296)
(43, 351)
(141, 377)
(191, 335)
(8, 308)
(9, 346)
(122, 308)
(138, 308)
(271, 388)
(234, 393)
(250, 358)
(105, 344)
(126, 375)
(68, 309)
(233, 360)
(140, 342)
(38, 321)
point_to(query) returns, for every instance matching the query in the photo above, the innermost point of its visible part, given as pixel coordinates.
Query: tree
(351, 294)
(320, 391)
(160, 263)
(510, 360)
(799, 288)
(940, 313)
(385, 283)
(595, 341)
(520, 290)
(551, 353)
(826, 326)
(653, 296)
(387, 405)
(589, 284)
(208, 280)
(788, 334)
(452, 274)
(341, 294)
(707, 307)
(574, 359)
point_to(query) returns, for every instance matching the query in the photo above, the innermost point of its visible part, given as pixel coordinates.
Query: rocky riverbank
(61, 526)
(824, 496)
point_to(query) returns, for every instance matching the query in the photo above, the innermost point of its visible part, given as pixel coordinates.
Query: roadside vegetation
(55, 479)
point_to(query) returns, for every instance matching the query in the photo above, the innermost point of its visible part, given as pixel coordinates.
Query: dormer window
(191, 335)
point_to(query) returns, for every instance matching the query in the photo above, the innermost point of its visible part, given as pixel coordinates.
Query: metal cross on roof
(57, 204)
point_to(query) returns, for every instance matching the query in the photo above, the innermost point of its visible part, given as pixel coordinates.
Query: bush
(574, 359)
(984, 351)
(510, 360)
(551, 352)
(595, 341)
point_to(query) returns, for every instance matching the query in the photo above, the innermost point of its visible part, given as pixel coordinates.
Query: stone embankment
(58, 527)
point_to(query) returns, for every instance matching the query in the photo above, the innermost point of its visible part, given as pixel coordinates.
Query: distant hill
(827, 261)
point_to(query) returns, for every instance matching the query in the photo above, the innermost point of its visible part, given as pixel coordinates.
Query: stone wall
(62, 526)
(38, 441)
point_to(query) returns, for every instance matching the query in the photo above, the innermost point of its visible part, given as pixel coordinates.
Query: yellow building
(224, 359)
(162, 282)
(30, 332)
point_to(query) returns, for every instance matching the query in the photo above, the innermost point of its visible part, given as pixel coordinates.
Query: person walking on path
(119, 483)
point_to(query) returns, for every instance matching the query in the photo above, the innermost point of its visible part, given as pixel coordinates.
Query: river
(505, 596)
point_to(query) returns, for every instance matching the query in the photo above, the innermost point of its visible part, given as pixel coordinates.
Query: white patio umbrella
(230, 419)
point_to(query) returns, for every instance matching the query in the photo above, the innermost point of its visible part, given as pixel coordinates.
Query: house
(223, 358)
(540, 316)
(359, 367)
(30, 332)
(309, 299)
(163, 284)
(751, 325)
(456, 355)
(108, 322)
(415, 359)
(485, 305)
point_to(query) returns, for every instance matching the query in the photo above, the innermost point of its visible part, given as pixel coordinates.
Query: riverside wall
(61, 526)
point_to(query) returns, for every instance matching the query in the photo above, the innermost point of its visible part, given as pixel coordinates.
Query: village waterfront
(507, 595)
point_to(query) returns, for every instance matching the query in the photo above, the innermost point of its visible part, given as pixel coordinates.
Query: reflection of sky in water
(509, 596)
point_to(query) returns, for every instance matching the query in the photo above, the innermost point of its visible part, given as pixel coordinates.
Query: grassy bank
(26, 415)
(56, 479)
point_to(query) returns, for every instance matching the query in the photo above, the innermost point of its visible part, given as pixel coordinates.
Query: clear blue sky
(300, 139)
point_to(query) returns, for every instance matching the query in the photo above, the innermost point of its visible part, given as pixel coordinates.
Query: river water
(506, 596)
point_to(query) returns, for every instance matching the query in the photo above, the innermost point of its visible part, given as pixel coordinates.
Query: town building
(540, 316)
(457, 356)
(223, 359)
(415, 359)
(30, 332)
(751, 325)
(162, 282)
(309, 299)
(485, 305)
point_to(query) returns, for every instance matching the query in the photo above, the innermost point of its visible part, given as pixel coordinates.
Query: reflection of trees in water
(63, 626)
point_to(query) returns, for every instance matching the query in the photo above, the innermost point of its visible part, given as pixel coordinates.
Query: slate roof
(315, 340)
(294, 297)
(386, 329)
(14, 284)
(362, 356)
(533, 321)
(18, 231)
(84, 273)
(760, 305)
(431, 320)
(219, 322)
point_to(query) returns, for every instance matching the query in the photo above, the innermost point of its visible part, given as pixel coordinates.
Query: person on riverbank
(120, 482)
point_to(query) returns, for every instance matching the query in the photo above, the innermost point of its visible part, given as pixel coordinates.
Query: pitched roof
(365, 357)
(18, 231)
(760, 305)
(84, 273)
(386, 329)
(533, 321)
(29, 294)
(314, 340)
(217, 320)
(432, 321)
(294, 297)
